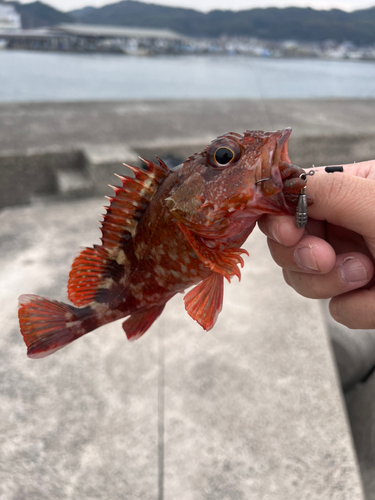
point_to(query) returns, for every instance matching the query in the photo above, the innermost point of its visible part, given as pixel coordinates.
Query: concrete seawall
(73, 149)
(253, 409)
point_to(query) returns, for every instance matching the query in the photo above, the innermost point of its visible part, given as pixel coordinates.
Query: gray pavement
(251, 410)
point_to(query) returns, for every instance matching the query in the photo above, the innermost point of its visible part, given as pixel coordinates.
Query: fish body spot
(174, 273)
(173, 255)
(121, 258)
(107, 283)
(186, 258)
(160, 281)
(123, 280)
(160, 271)
(99, 308)
(137, 290)
(71, 324)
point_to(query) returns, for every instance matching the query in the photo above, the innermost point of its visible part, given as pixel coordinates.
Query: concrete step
(74, 183)
(103, 160)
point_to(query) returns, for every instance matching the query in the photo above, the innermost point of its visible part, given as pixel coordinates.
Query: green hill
(271, 23)
(38, 14)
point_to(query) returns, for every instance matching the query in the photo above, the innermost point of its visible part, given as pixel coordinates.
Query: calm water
(36, 76)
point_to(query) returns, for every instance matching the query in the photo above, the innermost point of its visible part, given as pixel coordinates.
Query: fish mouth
(274, 153)
(279, 149)
(269, 186)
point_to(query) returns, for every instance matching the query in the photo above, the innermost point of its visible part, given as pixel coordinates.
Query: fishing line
(261, 98)
(161, 412)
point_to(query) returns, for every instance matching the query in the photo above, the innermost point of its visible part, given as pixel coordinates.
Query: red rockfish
(165, 231)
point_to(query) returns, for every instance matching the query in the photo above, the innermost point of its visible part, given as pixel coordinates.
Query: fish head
(232, 183)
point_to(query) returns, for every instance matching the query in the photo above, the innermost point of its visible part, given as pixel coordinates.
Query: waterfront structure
(10, 20)
(76, 37)
(96, 38)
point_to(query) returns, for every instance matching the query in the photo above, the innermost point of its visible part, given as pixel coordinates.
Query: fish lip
(276, 151)
(282, 145)
(286, 132)
(268, 171)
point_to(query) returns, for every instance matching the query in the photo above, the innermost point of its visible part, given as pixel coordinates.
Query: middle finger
(310, 255)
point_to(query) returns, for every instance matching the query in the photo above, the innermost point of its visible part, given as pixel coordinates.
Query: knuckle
(300, 282)
(309, 286)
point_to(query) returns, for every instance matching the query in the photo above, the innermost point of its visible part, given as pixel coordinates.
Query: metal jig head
(301, 209)
(301, 217)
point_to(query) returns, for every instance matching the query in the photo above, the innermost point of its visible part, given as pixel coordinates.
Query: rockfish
(165, 231)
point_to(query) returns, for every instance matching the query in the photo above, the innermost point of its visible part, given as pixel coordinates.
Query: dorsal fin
(131, 200)
(96, 271)
(94, 274)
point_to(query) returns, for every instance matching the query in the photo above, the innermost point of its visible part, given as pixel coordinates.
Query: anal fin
(138, 323)
(204, 302)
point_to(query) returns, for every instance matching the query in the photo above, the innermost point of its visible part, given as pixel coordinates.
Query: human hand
(334, 256)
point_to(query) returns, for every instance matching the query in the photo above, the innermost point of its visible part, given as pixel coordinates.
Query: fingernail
(352, 270)
(305, 258)
(274, 231)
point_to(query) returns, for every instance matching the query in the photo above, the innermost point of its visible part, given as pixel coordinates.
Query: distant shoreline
(193, 54)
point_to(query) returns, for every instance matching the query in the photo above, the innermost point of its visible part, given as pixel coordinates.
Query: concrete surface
(354, 350)
(361, 409)
(40, 143)
(251, 410)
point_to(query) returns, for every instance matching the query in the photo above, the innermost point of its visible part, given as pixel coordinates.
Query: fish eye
(223, 152)
(223, 156)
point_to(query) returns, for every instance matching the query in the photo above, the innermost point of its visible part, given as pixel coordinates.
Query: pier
(272, 403)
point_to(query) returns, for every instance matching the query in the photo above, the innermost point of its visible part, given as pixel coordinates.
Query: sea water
(46, 76)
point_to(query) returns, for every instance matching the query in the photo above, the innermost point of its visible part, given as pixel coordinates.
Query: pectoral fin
(204, 302)
(224, 262)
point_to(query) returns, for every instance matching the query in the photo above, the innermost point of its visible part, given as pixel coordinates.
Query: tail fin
(47, 325)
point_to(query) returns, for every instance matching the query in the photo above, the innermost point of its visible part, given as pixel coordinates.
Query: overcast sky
(206, 5)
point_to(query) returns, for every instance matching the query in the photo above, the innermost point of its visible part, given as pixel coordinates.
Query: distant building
(94, 38)
(104, 31)
(10, 20)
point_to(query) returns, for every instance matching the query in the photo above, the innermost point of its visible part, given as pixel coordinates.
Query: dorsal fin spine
(132, 198)
(129, 192)
(162, 165)
(159, 170)
(153, 173)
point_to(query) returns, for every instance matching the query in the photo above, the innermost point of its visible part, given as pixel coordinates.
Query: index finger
(344, 199)
(281, 228)
(364, 169)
